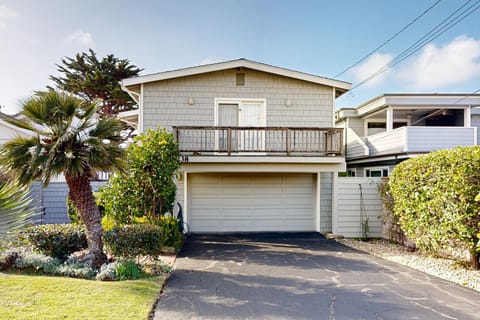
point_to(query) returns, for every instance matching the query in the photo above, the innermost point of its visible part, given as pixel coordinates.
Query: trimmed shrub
(391, 226)
(75, 269)
(107, 272)
(134, 240)
(37, 262)
(434, 198)
(172, 237)
(56, 240)
(8, 258)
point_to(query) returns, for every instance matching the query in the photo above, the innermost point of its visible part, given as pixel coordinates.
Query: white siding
(357, 125)
(351, 205)
(326, 180)
(355, 146)
(387, 142)
(420, 139)
(165, 103)
(251, 202)
(434, 138)
(476, 124)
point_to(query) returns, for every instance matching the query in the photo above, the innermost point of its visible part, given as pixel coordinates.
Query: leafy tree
(147, 187)
(434, 198)
(91, 78)
(66, 139)
(16, 210)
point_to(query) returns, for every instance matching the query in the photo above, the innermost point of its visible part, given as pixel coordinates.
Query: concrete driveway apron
(302, 276)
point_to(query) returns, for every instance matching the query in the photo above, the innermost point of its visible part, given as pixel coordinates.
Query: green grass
(41, 297)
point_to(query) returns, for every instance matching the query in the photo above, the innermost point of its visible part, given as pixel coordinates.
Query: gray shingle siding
(165, 103)
(53, 199)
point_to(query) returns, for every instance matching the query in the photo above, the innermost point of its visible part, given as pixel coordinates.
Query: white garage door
(251, 202)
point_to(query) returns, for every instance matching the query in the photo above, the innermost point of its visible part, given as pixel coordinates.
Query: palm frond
(70, 139)
(16, 209)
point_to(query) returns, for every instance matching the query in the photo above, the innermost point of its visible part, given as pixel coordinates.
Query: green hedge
(56, 240)
(134, 240)
(434, 198)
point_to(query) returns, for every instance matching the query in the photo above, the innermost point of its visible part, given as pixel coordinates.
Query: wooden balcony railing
(259, 141)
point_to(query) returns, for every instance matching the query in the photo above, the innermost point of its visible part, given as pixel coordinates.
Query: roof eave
(340, 86)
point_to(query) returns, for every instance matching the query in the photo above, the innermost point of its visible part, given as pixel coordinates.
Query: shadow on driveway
(301, 276)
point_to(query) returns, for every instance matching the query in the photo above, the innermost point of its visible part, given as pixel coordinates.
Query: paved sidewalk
(302, 276)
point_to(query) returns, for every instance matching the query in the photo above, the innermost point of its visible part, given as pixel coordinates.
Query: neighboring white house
(388, 129)
(258, 143)
(9, 131)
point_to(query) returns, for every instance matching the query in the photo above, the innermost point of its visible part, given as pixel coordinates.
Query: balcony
(418, 139)
(259, 141)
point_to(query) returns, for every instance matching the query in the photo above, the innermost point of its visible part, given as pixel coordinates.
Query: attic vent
(240, 81)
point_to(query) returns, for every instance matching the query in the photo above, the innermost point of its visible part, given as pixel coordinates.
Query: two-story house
(388, 129)
(259, 147)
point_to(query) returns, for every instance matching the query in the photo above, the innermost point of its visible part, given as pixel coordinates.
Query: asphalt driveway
(302, 276)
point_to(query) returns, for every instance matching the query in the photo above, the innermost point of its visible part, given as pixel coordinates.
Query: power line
(388, 40)
(428, 37)
(468, 95)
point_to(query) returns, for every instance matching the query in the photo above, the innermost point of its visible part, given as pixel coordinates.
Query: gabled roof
(340, 86)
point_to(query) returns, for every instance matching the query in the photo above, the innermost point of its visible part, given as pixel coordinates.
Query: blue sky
(319, 37)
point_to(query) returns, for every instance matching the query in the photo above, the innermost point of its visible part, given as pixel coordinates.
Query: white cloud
(80, 37)
(373, 64)
(6, 14)
(438, 67)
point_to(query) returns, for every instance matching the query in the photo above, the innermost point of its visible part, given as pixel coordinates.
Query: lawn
(42, 297)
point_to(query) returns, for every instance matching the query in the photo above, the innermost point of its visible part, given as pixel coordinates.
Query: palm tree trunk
(82, 197)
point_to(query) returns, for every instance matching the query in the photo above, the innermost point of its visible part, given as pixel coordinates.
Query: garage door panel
(207, 213)
(237, 223)
(277, 224)
(298, 212)
(270, 202)
(240, 213)
(251, 202)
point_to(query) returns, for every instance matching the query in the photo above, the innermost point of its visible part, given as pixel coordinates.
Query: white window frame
(240, 101)
(376, 169)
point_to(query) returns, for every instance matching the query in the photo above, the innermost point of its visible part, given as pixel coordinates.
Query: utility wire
(468, 95)
(431, 35)
(388, 40)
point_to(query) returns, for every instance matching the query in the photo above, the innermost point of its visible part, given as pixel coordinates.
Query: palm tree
(69, 139)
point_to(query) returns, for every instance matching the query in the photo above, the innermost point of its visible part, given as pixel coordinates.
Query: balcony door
(241, 113)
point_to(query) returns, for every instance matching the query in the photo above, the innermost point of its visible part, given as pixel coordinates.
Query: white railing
(420, 139)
